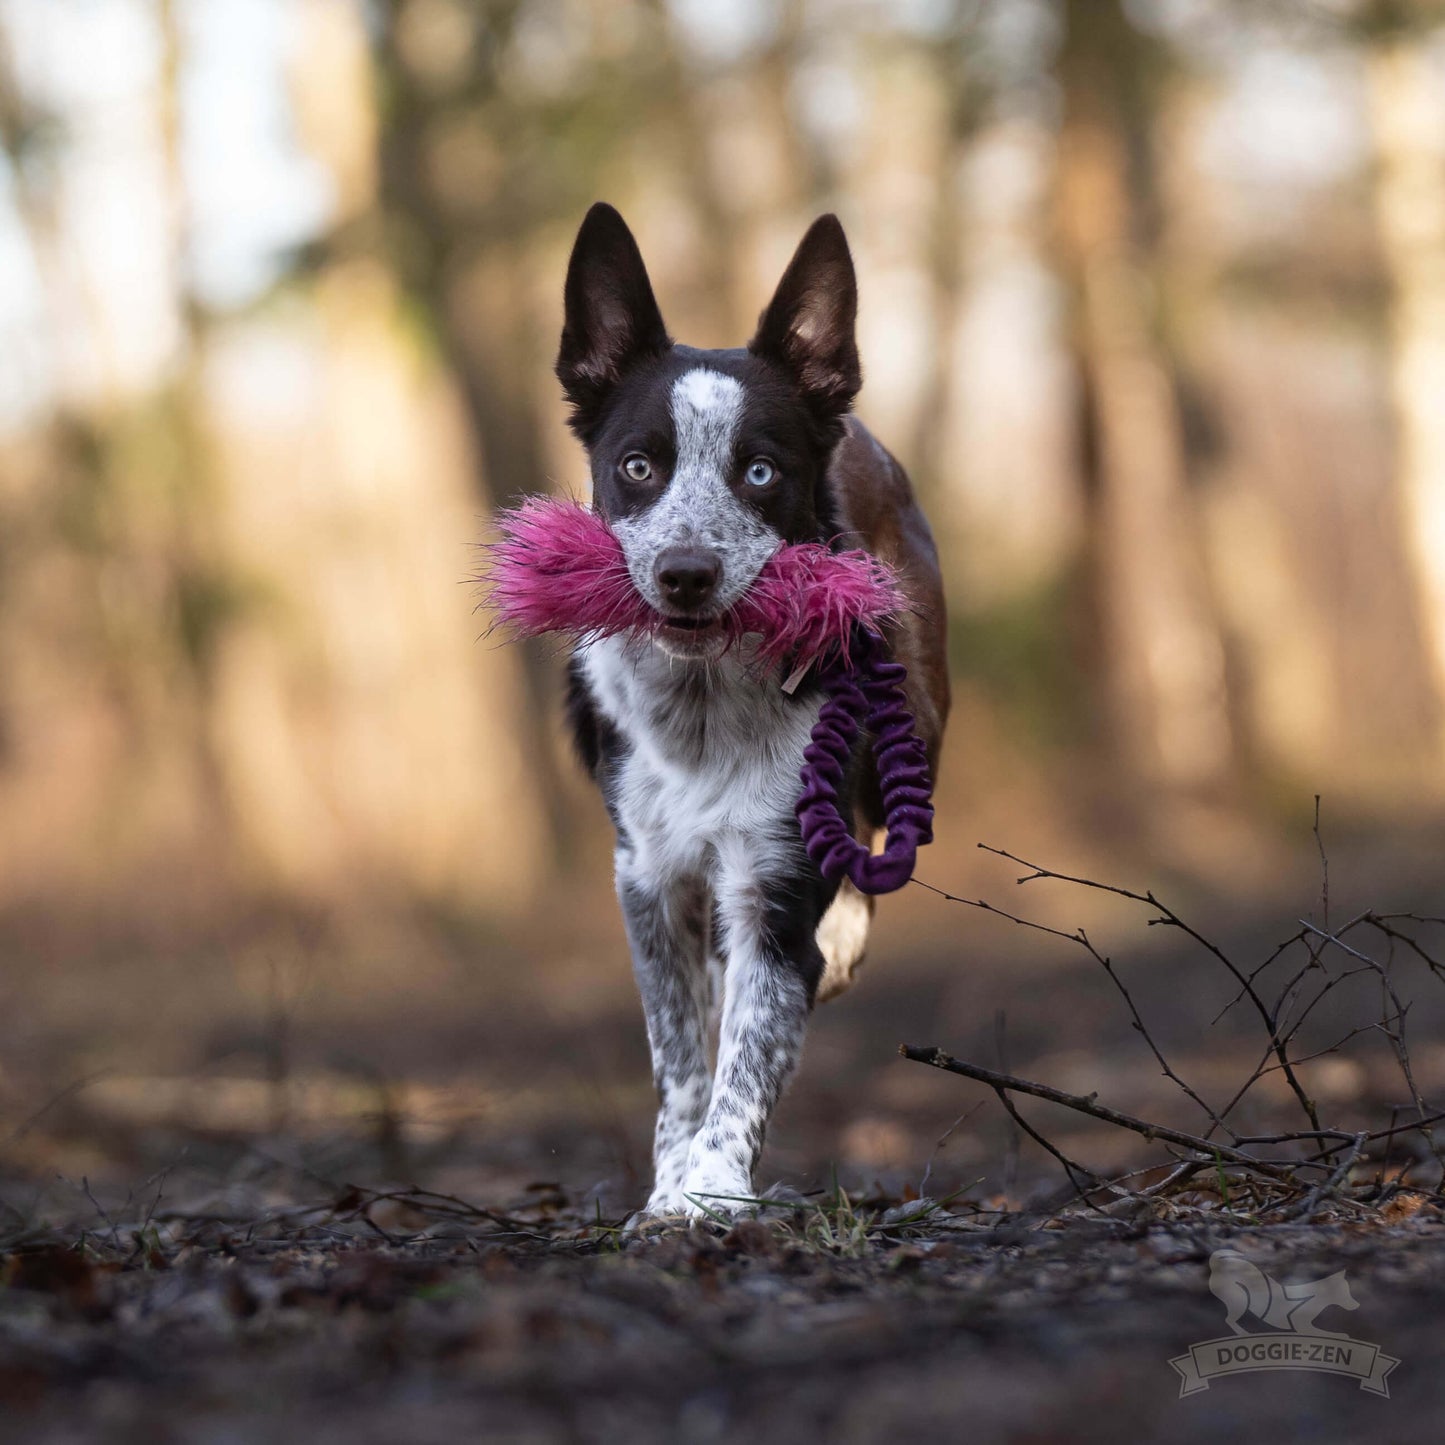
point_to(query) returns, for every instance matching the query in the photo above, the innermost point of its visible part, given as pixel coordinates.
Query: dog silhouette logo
(1289, 1336)
(1245, 1289)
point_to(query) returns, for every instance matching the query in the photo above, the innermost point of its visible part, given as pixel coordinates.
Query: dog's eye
(637, 467)
(760, 472)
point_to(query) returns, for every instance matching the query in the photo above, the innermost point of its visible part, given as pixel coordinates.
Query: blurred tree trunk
(1407, 107)
(946, 253)
(755, 180)
(900, 196)
(1162, 657)
(201, 588)
(121, 510)
(36, 222)
(469, 274)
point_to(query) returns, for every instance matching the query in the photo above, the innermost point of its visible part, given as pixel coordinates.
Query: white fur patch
(708, 782)
(842, 936)
(699, 508)
(702, 393)
(704, 797)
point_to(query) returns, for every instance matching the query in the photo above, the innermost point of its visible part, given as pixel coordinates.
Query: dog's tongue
(558, 567)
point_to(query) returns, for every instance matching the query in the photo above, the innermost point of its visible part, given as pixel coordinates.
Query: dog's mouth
(692, 624)
(690, 636)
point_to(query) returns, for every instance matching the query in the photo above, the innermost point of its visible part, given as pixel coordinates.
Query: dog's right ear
(611, 316)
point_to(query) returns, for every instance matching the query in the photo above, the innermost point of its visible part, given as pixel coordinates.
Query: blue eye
(760, 472)
(637, 467)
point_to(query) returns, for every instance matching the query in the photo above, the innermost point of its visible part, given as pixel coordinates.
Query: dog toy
(558, 567)
(869, 691)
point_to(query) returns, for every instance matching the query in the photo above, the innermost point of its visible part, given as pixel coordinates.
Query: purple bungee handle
(866, 688)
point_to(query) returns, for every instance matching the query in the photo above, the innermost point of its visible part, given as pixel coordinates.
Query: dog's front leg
(772, 970)
(667, 927)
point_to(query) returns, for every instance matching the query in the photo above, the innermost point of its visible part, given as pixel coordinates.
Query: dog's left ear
(808, 325)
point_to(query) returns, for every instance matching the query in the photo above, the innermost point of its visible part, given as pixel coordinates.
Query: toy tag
(790, 684)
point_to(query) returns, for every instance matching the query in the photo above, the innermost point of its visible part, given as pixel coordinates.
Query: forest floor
(403, 1321)
(323, 1182)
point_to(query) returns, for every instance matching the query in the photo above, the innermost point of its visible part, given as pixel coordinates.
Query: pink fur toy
(558, 567)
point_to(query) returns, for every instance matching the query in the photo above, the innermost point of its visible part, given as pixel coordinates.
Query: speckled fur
(701, 783)
(698, 753)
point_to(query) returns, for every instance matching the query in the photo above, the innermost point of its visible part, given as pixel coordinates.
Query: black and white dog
(704, 462)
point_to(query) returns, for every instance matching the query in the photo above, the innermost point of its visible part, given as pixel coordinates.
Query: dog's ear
(611, 316)
(808, 325)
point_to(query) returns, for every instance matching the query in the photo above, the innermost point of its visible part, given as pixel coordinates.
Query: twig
(99, 1208)
(1328, 1186)
(1070, 1167)
(1169, 918)
(74, 1087)
(1078, 1102)
(1215, 1120)
(943, 1139)
(1011, 1153)
(1285, 1007)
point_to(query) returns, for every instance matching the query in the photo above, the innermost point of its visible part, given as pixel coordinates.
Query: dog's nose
(686, 577)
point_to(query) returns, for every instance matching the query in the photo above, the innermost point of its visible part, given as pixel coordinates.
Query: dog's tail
(843, 937)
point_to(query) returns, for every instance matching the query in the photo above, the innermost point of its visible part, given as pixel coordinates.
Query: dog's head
(705, 462)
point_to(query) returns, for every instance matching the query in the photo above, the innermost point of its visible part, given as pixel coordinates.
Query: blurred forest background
(1153, 308)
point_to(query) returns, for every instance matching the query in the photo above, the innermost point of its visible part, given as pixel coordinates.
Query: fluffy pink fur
(806, 599)
(558, 567)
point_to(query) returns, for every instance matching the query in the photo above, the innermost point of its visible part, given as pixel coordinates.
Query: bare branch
(1078, 1102)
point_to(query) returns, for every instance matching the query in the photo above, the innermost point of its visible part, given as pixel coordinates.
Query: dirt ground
(975, 1330)
(316, 1179)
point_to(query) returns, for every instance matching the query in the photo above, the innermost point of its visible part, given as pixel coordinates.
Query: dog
(704, 463)
(1244, 1288)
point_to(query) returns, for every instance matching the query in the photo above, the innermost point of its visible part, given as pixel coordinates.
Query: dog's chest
(708, 755)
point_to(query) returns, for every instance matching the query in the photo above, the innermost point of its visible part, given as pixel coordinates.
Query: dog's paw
(667, 1209)
(664, 1205)
(717, 1196)
(664, 1200)
(650, 1224)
